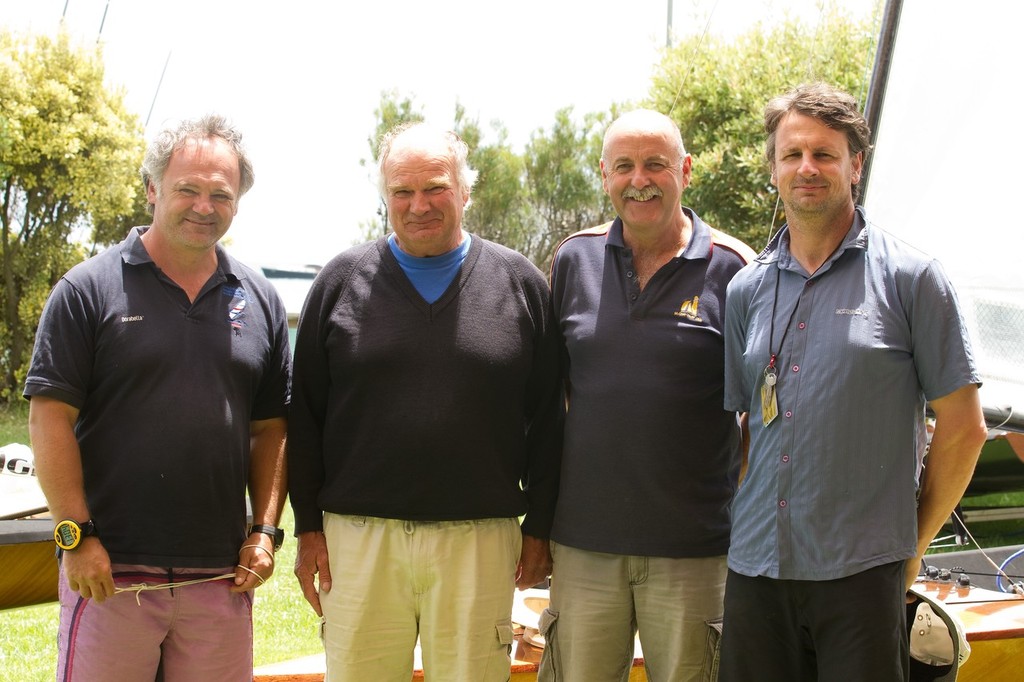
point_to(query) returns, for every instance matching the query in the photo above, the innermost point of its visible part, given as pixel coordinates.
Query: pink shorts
(194, 632)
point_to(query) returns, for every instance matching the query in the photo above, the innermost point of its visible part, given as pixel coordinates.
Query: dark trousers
(852, 629)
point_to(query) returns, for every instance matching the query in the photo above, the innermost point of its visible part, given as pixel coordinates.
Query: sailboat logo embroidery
(236, 309)
(688, 309)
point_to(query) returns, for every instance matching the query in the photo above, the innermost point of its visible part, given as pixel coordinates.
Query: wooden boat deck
(994, 625)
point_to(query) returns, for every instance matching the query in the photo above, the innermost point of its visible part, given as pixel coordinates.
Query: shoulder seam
(735, 245)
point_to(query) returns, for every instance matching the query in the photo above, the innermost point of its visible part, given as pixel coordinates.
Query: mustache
(644, 194)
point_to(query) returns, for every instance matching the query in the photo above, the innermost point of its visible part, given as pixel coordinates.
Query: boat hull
(29, 564)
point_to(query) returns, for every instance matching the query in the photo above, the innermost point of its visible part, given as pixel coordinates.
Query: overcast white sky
(302, 78)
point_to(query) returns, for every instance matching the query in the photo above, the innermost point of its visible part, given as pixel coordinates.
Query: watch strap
(273, 531)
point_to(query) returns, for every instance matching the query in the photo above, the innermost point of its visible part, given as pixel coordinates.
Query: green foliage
(28, 643)
(498, 210)
(564, 180)
(69, 153)
(14, 422)
(716, 91)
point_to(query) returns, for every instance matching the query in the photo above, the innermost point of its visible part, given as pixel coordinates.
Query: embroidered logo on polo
(236, 308)
(856, 312)
(688, 309)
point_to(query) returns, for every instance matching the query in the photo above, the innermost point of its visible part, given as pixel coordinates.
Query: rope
(139, 588)
(1016, 588)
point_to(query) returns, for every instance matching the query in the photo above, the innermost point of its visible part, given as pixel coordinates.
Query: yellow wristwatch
(68, 534)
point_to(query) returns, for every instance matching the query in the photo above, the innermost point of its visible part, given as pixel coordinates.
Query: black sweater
(408, 410)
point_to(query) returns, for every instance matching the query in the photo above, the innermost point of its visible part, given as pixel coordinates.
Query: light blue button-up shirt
(862, 344)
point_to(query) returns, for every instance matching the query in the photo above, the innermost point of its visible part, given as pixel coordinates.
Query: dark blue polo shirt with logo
(166, 389)
(651, 458)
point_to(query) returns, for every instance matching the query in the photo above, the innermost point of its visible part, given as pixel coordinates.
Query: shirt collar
(778, 248)
(133, 252)
(698, 248)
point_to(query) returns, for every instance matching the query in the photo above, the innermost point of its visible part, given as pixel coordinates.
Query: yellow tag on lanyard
(769, 401)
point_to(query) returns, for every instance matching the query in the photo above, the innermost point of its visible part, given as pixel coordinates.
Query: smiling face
(424, 198)
(197, 198)
(814, 169)
(644, 170)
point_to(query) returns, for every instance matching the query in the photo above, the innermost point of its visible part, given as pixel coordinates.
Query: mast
(880, 77)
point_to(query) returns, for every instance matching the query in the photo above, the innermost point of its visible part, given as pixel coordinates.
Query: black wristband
(276, 533)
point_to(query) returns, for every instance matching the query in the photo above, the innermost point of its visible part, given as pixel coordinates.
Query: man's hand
(87, 569)
(310, 560)
(534, 562)
(257, 558)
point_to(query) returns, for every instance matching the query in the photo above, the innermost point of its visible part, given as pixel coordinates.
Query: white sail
(944, 174)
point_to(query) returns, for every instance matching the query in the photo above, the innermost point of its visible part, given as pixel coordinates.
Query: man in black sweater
(426, 419)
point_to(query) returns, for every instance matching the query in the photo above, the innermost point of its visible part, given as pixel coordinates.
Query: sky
(301, 79)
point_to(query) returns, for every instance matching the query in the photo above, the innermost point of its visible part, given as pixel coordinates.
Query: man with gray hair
(651, 459)
(426, 419)
(159, 392)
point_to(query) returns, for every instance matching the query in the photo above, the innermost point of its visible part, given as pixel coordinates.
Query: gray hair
(458, 151)
(169, 140)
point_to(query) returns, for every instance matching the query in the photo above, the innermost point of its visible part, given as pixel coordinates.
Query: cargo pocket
(506, 636)
(550, 665)
(712, 650)
(499, 661)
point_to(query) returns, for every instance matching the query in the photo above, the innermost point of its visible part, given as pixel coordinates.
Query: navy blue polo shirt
(166, 389)
(650, 457)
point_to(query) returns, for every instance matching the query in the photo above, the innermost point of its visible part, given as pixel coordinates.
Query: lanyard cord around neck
(773, 355)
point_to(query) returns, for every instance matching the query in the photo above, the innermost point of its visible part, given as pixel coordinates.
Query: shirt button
(632, 297)
(802, 325)
(796, 368)
(785, 458)
(782, 504)
(789, 413)
(629, 273)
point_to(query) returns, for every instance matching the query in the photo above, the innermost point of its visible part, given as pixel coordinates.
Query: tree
(499, 209)
(69, 156)
(564, 180)
(716, 91)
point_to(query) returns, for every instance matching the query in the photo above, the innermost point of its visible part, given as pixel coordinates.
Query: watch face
(67, 534)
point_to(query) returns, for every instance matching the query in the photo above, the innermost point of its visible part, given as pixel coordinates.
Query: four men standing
(427, 419)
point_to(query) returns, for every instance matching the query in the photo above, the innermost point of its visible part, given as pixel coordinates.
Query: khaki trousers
(600, 601)
(450, 583)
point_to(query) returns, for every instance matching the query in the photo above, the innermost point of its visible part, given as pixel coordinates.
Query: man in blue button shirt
(837, 335)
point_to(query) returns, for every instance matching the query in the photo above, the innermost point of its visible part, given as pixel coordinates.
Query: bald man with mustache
(651, 459)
